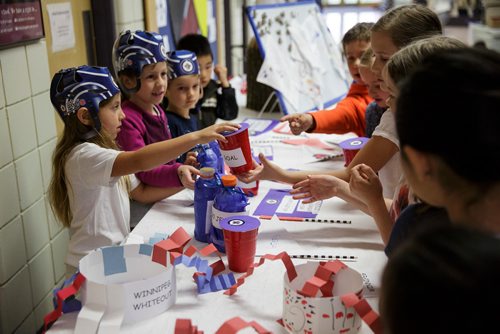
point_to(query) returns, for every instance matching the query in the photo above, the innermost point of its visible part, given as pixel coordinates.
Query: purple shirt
(139, 129)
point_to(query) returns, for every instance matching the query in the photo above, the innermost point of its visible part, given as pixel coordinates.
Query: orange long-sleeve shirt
(347, 116)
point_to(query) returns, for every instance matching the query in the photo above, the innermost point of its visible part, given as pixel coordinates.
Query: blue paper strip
(113, 260)
(145, 249)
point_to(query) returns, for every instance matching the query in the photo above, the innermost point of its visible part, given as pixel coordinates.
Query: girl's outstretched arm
(162, 152)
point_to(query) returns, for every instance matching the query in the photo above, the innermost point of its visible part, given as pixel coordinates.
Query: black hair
(448, 106)
(444, 280)
(195, 43)
(359, 32)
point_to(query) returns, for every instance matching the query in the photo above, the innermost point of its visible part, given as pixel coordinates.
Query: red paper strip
(184, 326)
(283, 256)
(364, 310)
(234, 325)
(322, 279)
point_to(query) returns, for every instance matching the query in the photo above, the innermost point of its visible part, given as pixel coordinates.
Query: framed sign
(20, 21)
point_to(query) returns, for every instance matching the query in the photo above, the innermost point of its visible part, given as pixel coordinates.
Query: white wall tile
(2, 93)
(12, 249)
(41, 274)
(9, 196)
(45, 121)
(36, 230)
(29, 179)
(15, 74)
(28, 325)
(38, 66)
(15, 301)
(5, 144)
(59, 248)
(138, 10)
(54, 225)
(42, 309)
(46, 161)
(123, 11)
(138, 25)
(22, 127)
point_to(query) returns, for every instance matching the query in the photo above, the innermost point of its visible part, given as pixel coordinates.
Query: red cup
(250, 189)
(236, 151)
(351, 147)
(240, 241)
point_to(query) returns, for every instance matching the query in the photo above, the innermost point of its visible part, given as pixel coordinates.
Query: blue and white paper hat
(180, 63)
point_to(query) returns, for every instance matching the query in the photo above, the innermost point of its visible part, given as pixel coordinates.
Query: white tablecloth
(260, 298)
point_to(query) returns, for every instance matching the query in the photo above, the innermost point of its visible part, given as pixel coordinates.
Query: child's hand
(213, 132)
(221, 73)
(191, 159)
(365, 184)
(316, 188)
(265, 171)
(298, 122)
(185, 173)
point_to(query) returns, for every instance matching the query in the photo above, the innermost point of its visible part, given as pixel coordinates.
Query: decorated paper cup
(250, 189)
(124, 284)
(240, 240)
(237, 152)
(351, 147)
(321, 314)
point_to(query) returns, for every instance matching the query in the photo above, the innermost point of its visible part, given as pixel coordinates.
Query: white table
(260, 298)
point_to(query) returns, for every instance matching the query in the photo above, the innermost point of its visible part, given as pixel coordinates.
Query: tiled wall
(129, 15)
(32, 243)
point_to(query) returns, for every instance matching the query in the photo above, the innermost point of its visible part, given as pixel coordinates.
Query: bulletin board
(302, 62)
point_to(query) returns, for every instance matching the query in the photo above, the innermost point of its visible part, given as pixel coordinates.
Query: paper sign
(281, 203)
(259, 126)
(234, 158)
(61, 26)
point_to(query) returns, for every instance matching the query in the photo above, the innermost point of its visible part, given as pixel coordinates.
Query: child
(395, 29)
(139, 64)
(438, 166)
(183, 92)
(377, 107)
(364, 182)
(349, 113)
(87, 192)
(218, 99)
(442, 281)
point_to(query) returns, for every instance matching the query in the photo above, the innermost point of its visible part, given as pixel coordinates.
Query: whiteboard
(302, 62)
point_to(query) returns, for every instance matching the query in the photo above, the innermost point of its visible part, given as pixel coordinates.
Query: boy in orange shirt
(349, 114)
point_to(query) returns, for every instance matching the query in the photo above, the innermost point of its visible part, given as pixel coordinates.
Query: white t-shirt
(99, 202)
(391, 173)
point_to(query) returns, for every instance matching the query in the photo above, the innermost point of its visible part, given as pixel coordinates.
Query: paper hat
(180, 63)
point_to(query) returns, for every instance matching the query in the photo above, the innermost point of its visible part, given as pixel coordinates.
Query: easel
(276, 100)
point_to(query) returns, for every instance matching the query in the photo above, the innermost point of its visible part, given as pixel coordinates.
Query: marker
(314, 220)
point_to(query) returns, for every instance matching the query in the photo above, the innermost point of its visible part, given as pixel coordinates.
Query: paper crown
(182, 62)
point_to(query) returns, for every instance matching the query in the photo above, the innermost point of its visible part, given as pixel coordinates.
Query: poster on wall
(20, 21)
(61, 26)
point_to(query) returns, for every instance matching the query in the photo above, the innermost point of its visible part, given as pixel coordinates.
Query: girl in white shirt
(92, 180)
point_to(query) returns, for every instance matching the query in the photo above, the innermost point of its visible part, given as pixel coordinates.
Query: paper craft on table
(281, 203)
(267, 150)
(313, 142)
(258, 126)
(283, 128)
